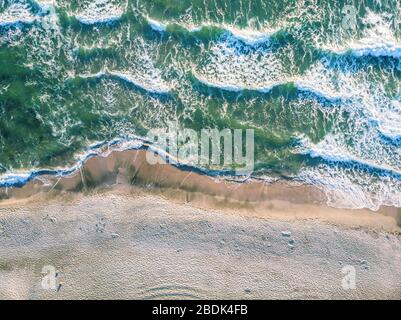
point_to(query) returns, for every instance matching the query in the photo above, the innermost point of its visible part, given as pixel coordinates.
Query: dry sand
(185, 235)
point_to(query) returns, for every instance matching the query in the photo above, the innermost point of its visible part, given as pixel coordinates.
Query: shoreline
(277, 200)
(122, 229)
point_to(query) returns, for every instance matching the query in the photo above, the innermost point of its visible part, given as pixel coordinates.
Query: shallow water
(321, 91)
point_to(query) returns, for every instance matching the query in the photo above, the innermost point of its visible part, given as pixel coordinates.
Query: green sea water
(318, 81)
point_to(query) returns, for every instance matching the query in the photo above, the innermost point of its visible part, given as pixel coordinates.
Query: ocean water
(318, 81)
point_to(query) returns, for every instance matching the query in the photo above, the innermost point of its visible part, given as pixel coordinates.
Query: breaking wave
(292, 61)
(246, 35)
(100, 12)
(152, 84)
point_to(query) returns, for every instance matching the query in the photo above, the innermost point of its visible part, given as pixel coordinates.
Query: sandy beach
(120, 228)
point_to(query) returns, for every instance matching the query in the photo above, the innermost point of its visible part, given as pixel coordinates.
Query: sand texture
(125, 244)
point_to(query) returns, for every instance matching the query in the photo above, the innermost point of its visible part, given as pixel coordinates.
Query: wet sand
(277, 200)
(121, 228)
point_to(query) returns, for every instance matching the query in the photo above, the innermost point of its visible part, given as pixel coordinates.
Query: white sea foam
(46, 5)
(358, 161)
(100, 11)
(42, 41)
(353, 177)
(152, 84)
(233, 87)
(377, 41)
(14, 179)
(156, 25)
(376, 48)
(312, 87)
(326, 82)
(98, 74)
(23, 13)
(333, 149)
(85, 19)
(301, 84)
(353, 189)
(16, 13)
(248, 36)
(359, 89)
(389, 119)
(229, 65)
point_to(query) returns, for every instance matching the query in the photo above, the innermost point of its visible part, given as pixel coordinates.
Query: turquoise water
(321, 91)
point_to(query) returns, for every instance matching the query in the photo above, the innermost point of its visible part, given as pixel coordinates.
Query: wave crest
(151, 84)
(100, 12)
(248, 36)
